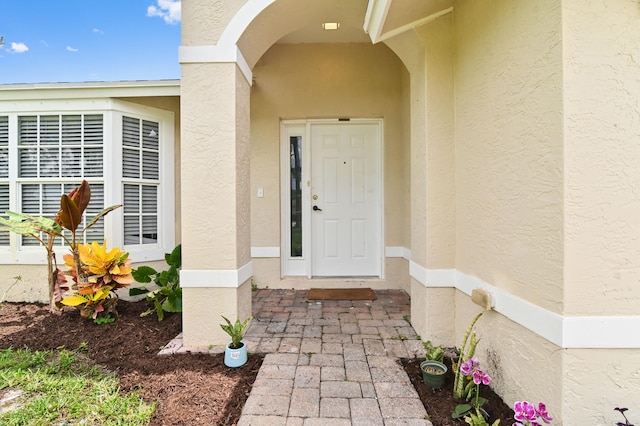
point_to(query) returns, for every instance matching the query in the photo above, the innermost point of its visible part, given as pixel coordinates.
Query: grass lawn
(64, 386)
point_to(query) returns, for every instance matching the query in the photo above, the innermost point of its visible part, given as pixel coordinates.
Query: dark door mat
(341, 294)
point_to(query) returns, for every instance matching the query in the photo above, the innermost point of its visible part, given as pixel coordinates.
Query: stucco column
(428, 55)
(216, 267)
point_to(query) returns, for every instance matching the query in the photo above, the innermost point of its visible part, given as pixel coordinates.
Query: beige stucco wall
(509, 183)
(215, 164)
(206, 20)
(546, 178)
(602, 179)
(308, 81)
(215, 203)
(509, 147)
(522, 365)
(202, 310)
(440, 184)
(597, 381)
(428, 54)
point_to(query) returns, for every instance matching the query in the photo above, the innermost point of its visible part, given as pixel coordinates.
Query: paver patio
(332, 363)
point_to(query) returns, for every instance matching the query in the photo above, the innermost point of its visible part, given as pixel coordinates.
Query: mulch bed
(440, 403)
(190, 389)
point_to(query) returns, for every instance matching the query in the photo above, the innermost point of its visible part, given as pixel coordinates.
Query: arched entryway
(244, 80)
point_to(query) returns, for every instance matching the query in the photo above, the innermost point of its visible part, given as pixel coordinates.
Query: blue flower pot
(235, 357)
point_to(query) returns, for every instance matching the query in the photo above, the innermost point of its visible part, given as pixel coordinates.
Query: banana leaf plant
(45, 230)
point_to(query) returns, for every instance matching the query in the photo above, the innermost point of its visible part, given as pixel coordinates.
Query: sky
(53, 41)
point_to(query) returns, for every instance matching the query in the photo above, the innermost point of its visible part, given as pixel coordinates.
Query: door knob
(317, 209)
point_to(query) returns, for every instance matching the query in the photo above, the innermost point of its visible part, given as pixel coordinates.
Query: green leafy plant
(107, 319)
(434, 353)
(235, 330)
(478, 419)
(461, 383)
(168, 296)
(45, 231)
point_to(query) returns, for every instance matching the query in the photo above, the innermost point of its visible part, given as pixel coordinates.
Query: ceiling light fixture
(331, 25)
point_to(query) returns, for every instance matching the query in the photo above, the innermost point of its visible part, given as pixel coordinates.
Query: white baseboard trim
(265, 252)
(610, 332)
(231, 278)
(397, 251)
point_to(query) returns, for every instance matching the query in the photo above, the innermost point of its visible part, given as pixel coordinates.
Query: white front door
(346, 202)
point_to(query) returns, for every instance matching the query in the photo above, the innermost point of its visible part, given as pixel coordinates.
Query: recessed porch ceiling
(361, 21)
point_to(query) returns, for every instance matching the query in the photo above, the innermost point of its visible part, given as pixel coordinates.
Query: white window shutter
(141, 171)
(4, 147)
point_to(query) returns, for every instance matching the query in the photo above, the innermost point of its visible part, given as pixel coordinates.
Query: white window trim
(166, 195)
(293, 266)
(112, 111)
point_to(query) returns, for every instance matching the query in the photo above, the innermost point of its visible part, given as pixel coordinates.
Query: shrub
(168, 296)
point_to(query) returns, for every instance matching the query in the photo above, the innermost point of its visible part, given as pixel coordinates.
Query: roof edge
(91, 89)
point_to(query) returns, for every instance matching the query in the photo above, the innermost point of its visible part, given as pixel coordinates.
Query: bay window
(124, 151)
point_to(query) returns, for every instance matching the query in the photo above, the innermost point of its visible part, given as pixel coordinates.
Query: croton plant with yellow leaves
(95, 271)
(100, 272)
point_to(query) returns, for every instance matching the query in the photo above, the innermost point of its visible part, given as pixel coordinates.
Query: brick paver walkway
(332, 363)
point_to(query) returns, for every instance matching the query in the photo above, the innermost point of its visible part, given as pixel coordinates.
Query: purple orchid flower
(467, 367)
(542, 413)
(479, 376)
(527, 414)
(524, 411)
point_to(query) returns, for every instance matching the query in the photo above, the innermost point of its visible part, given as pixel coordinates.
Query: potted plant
(433, 369)
(235, 354)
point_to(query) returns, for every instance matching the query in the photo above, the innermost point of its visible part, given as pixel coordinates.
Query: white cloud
(19, 47)
(169, 10)
(98, 31)
(71, 49)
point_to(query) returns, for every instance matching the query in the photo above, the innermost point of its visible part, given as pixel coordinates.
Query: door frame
(301, 266)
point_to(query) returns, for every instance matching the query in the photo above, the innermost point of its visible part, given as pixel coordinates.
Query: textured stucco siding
(212, 140)
(409, 47)
(202, 310)
(602, 161)
(440, 149)
(509, 183)
(204, 21)
(597, 381)
(522, 365)
(509, 130)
